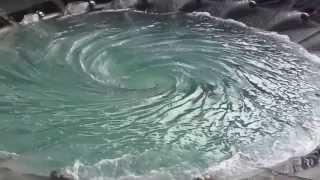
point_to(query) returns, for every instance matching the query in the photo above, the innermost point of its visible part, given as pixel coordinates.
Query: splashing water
(161, 98)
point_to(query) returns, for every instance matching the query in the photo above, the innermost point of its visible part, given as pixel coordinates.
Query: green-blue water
(130, 94)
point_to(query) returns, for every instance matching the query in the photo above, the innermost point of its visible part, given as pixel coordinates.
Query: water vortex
(157, 91)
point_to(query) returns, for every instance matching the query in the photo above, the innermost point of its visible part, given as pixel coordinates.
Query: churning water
(113, 95)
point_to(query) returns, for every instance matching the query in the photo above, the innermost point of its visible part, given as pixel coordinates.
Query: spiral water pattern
(158, 91)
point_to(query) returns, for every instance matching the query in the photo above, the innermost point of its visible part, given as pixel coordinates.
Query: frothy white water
(210, 16)
(246, 164)
(119, 168)
(276, 35)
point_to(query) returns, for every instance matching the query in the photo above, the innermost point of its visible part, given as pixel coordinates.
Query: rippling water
(118, 94)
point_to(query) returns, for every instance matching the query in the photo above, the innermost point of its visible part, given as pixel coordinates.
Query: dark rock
(4, 22)
(48, 7)
(55, 175)
(312, 159)
(315, 15)
(305, 17)
(204, 177)
(42, 9)
(192, 6)
(92, 5)
(252, 4)
(239, 9)
(18, 16)
(143, 5)
(289, 20)
(103, 1)
(274, 3)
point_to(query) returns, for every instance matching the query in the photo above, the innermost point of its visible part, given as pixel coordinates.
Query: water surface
(119, 94)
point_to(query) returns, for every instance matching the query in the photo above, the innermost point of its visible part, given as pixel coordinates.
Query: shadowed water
(152, 94)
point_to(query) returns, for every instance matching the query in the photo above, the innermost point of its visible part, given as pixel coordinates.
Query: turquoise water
(116, 94)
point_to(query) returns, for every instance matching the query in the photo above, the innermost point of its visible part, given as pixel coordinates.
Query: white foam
(108, 169)
(208, 15)
(245, 164)
(286, 39)
(197, 14)
(282, 37)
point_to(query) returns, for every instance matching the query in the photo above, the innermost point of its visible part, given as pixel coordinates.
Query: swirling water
(127, 94)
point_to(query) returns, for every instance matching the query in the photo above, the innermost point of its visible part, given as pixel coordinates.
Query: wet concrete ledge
(299, 19)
